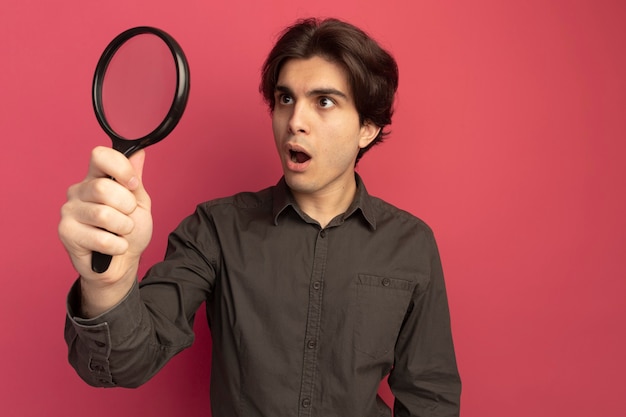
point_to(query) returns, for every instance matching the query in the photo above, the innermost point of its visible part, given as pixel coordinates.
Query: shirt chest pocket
(381, 304)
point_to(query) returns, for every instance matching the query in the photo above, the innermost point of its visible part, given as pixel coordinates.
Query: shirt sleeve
(131, 342)
(425, 379)
(120, 347)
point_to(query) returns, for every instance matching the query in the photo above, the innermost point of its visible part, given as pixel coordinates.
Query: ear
(368, 133)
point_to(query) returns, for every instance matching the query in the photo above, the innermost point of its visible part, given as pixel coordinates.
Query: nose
(298, 120)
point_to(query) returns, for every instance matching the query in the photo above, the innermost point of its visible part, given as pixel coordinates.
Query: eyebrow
(315, 92)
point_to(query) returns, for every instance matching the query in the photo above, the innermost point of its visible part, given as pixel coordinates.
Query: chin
(297, 183)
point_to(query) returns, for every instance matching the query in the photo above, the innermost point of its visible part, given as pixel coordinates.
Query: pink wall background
(509, 140)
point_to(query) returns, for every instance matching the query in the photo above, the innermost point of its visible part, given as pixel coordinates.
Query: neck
(324, 206)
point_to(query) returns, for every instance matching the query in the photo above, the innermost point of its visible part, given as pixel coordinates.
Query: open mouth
(298, 157)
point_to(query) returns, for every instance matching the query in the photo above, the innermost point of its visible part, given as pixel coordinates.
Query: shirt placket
(314, 316)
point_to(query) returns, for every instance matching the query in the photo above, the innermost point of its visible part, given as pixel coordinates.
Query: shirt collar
(362, 202)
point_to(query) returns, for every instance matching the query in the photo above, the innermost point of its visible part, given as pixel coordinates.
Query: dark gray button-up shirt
(305, 321)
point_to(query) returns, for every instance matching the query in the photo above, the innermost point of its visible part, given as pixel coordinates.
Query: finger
(104, 217)
(104, 191)
(97, 216)
(81, 239)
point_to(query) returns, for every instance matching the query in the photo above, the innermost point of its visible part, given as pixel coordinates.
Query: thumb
(136, 183)
(137, 161)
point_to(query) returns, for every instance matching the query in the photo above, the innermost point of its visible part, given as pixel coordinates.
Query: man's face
(316, 127)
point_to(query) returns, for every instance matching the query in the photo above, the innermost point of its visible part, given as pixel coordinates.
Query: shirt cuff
(94, 338)
(123, 318)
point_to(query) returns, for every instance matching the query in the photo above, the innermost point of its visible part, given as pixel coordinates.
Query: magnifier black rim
(178, 103)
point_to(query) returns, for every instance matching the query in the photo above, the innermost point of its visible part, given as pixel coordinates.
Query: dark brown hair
(372, 71)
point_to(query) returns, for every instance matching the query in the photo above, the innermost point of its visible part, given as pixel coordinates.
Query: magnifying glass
(140, 90)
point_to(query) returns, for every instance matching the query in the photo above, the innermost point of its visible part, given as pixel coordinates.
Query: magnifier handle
(100, 262)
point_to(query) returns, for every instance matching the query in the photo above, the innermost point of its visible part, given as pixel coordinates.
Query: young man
(314, 289)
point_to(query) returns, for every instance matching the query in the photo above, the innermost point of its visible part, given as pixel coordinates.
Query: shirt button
(317, 285)
(386, 282)
(306, 403)
(311, 344)
(323, 234)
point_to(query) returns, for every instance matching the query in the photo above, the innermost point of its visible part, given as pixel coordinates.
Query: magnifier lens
(139, 86)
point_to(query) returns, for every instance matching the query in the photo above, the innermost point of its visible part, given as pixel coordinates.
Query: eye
(326, 102)
(285, 99)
